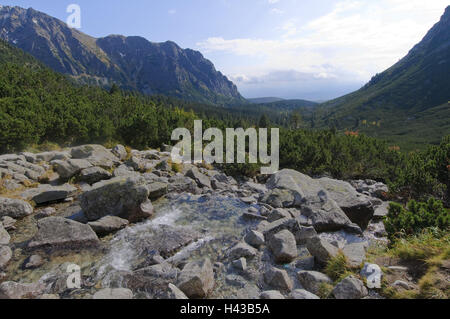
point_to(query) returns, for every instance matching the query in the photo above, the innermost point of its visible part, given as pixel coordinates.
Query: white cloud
(356, 39)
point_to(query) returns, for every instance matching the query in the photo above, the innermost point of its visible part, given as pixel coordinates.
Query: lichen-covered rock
(312, 280)
(70, 168)
(14, 290)
(196, 279)
(157, 190)
(61, 233)
(46, 193)
(14, 208)
(125, 197)
(254, 238)
(283, 247)
(278, 278)
(321, 249)
(108, 224)
(201, 179)
(350, 288)
(120, 152)
(93, 175)
(97, 155)
(241, 250)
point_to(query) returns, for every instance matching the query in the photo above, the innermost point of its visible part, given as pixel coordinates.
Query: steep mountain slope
(131, 62)
(402, 95)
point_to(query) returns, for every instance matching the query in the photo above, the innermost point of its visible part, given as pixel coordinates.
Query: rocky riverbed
(139, 227)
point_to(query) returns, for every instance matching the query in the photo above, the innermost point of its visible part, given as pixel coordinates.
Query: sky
(309, 49)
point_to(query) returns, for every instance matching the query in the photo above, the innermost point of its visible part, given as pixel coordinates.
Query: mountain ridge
(134, 63)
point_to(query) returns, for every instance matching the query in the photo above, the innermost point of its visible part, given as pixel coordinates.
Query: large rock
(97, 155)
(157, 190)
(303, 294)
(93, 175)
(196, 279)
(289, 188)
(312, 280)
(14, 208)
(5, 256)
(61, 233)
(173, 292)
(283, 247)
(4, 236)
(120, 152)
(254, 238)
(350, 288)
(121, 196)
(14, 290)
(278, 278)
(46, 193)
(242, 250)
(108, 225)
(201, 179)
(111, 294)
(70, 168)
(301, 233)
(355, 253)
(321, 249)
(357, 207)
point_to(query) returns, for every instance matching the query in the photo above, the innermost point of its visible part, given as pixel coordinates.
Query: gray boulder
(175, 293)
(240, 264)
(111, 294)
(283, 247)
(108, 225)
(357, 207)
(254, 238)
(278, 278)
(61, 233)
(70, 168)
(312, 280)
(93, 175)
(8, 222)
(350, 288)
(277, 214)
(196, 279)
(201, 179)
(303, 294)
(14, 290)
(242, 250)
(355, 253)
(14, 208)
(120, 152)
(97, 155)
(121, 196)
(4, 236)
(33, 262)
(157, 190)
(321, 249)
(46, 193)
(5, 256)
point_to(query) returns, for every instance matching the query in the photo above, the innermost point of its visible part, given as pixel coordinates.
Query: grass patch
(337, 268)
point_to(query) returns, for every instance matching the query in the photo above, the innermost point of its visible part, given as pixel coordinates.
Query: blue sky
(312, 49)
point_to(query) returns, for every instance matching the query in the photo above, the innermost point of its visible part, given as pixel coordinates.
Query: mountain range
(133, 63)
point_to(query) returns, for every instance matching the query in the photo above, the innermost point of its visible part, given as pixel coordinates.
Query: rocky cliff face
(131, 62)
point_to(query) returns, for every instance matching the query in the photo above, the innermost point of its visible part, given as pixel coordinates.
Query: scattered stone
(14, 208)
(116, 293)
(303, 294)
(242, 250)
(157, 190)
(306, 263)
(304, 234)
(120, 151)
(277, 214)
(175, 293)
(14, 290)
(402, 284)
(283, 247)
(321, 249)
(61, 233)
(4, 236)
(312, 280)
(46, 212)
(201, 179)
(240, 264)
(70, 168)
(254, 238)
(46, 193)
(278, 278)
(8, 222)
(196, 279)
(108, 225)
(33, 262)
(97, 155)
(5, 256)
(271, 294)
(93, 175)
(350, 288)
(121, 196)
(355, 253)
(253, 216)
